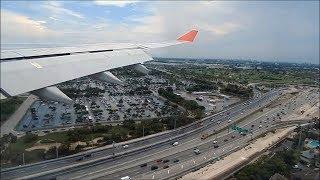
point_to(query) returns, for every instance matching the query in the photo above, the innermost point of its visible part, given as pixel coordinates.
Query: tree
(129, 124)
(51, 153)
(64, 150)
(29, 138)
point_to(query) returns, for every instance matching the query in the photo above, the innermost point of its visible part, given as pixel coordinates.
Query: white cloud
(56, 9)
(15, 27)
(42, 22)
(53, 18)
(222, 29)
(172, 18)
(118, 3)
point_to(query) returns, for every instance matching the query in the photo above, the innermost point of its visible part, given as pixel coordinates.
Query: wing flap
(22, 76)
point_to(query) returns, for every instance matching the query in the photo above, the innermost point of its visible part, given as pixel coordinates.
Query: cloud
(15, 27)
(56, 9)
(226, 29)
(171, 18)
(118, 3)
(222, 29)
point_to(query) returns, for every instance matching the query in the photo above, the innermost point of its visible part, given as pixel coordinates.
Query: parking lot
(116, 104)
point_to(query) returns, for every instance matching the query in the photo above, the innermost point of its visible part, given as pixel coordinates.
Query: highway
(185, 154)
(147, 150)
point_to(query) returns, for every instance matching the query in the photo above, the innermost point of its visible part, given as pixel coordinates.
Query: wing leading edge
(32, 70)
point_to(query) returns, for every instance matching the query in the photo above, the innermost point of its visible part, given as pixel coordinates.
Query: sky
(285, 31)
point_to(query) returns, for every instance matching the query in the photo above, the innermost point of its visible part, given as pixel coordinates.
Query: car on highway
(175, 143)
(165, 167)
(214, 142)
(154, 167)
(260, 126)
(143, 165)
(159, 160)
(88, 155)
(204, 136)
(216, 146)
(225, 140)
(165, 160)
(196, 151)
(125, 146)
(176, 160)
(126, 178)
(80, 159)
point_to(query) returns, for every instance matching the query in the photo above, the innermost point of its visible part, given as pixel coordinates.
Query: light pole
(113, 148)
(142, 130)
(57, 152)
(23, 162)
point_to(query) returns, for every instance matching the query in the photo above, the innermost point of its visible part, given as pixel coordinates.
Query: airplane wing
(37, 70)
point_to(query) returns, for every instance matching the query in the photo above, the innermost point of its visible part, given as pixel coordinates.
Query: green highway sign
(239, 129)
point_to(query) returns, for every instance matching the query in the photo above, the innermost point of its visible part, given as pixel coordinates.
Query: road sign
(239, 129)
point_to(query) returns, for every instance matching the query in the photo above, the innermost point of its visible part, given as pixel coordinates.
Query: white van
(175, 143)
(126, 178)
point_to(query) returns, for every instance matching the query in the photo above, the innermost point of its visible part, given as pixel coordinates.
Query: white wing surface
(29, 70)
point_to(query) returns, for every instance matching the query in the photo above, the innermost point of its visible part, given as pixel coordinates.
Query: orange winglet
(189, 36)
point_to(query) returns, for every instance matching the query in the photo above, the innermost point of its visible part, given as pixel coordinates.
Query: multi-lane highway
(101, 163)
(226, 141)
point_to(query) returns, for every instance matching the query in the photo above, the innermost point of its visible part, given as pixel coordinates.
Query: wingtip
(189, 36)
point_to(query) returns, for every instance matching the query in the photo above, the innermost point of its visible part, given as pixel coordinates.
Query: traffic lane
(137, 159)
(60, 163)
(185, 154)
(181, 156)
(258, 119)
(90, 170)
(210, 153)
(206, 155)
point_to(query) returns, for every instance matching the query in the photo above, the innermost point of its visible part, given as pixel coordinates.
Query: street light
(142, 130)
(57, 152)
(113, 148)
(23, 162)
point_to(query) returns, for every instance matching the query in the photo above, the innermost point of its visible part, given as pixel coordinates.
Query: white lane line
(132, 161)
